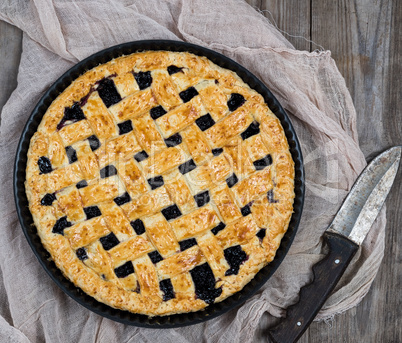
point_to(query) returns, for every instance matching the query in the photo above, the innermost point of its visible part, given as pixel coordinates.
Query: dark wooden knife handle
(327, 273)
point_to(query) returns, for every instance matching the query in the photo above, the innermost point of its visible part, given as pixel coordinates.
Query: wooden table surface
(365, 40)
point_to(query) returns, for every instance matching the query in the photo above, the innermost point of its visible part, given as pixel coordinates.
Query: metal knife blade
(364, 201)
(343, 237)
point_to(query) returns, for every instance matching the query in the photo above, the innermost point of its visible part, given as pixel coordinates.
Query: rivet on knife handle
(327, 273)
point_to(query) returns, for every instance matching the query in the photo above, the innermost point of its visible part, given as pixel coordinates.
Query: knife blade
(343, 238)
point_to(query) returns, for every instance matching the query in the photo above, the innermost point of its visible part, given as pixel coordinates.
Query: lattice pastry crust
(160, 183)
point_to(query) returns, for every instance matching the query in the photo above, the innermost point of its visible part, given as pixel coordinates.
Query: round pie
(160, 182)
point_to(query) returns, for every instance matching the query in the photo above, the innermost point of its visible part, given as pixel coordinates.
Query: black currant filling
(252, 130)
(246, 210)
(173, 69)
(205, 122)
(138, 226)
(81, 254)
(94, 142)
(171, 212)
(143, 78)
(155, 182)
(202, 198)
(71, 114)
(141, 156)
(204, 283)
(92, 212)
(48, 199)
(188, 94)
(235, 101)
(61, 224)
(109, 241)
(218, 228)
(235, 256)
(125, 127)
(124, 270)
(155, 257)
(217, 152)
(157, 112)
(44, 165)
(107, 92)
(271, 198)
(263, 162)
(107, 171)
(232, 180)
(187, 243)
(187, 167)
(173, 140)
(125, 198)
(167, 289)
(71, 154)
(261, 234)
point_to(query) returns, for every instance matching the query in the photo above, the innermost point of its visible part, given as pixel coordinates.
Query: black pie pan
(43, 256)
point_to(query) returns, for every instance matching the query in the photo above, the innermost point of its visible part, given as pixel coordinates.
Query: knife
(343, 238)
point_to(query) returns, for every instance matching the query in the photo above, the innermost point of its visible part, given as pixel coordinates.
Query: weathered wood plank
(291, 17)
(10, 52)
(368, 55)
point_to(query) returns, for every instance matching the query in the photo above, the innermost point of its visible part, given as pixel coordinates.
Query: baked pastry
(160, 182)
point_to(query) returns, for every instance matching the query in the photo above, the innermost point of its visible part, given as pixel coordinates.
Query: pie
(160, 183)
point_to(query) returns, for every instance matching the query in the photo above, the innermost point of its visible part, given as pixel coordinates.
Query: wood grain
(364, 37)
(10, 52)
(366, 45)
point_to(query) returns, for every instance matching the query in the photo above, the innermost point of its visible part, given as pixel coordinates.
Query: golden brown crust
(175, 171)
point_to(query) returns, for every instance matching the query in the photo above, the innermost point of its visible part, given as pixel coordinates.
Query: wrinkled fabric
(59, 33)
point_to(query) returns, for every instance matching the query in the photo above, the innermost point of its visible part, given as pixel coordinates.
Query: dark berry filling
(82, 254)
(109, 241)
(73, 114)
(235, 256)
(107, 171)
(232, 180)
(235, 101)
(94, 142)
(217, 151)
(71, 154)
(187, 166)
(122, 199)
(61, 224)
(187, 243)
(44, 165)
(205, 122)
(173, 140)
(271, 198)
(156, 182)
(138, 226)
(141, 156)
(218, 228)
(261, 234)
(155, 256)
(188, 94)
(173, 70)
(81, 184)
(171, 212)
(48, 199)
(124, 270)
(143, 78)
(202, 198)
(108, 92)
(92, 212)
(246, 210)
(252, 130)
(263, 162)
(125, 127)
(204, 283)
(167, 289)
(157, 112)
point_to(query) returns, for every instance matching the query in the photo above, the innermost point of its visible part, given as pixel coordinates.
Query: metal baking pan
(43, 256)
